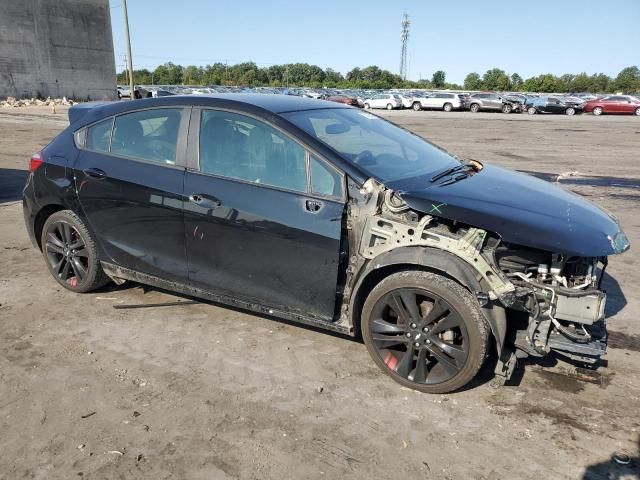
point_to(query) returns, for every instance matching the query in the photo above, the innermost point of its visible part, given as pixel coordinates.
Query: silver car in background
(484, 101)
(439, 101)
(385, 100)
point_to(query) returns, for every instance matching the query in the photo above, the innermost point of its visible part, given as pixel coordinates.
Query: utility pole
(130, 62)
(404, 35)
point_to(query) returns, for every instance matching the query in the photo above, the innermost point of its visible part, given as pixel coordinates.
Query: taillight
(35, 162)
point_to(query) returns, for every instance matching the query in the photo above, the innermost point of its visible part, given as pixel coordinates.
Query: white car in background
(384, 100)
(439, 101)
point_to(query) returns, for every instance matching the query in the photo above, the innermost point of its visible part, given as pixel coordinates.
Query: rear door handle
(95, 173)
(203, 201)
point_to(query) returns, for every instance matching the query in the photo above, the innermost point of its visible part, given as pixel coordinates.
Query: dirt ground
(203, 392)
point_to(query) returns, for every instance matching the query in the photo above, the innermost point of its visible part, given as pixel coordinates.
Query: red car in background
(614, 104)
(344, 99)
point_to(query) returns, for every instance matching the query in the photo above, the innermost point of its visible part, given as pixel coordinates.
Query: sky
(529, 38)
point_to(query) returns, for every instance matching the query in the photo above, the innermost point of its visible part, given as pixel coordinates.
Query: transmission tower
(404, 66)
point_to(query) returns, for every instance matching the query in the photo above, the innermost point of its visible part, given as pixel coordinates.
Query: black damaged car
(326, 215)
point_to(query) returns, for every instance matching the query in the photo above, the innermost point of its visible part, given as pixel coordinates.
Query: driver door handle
(203, 201)
(313, 206)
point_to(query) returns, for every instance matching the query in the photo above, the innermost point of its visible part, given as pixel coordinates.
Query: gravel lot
(202, 392)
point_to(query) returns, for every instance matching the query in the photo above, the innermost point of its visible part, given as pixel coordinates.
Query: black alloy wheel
(423, 337)
(70, 252)
(66, 253)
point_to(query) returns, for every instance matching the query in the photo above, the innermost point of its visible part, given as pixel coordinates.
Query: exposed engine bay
(557, 299)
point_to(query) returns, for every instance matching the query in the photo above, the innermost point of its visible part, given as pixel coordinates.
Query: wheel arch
(41, 217)
(426, 259)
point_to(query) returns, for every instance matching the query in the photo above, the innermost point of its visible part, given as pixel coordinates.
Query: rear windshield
(386, 152)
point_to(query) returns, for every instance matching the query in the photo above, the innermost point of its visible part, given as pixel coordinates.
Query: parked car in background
(384, 100)
(316, 213)
(439, 101)
(344, 99)
(550, 104)
(513, 103)
(616, 104)
(124, 91)
(484, 101)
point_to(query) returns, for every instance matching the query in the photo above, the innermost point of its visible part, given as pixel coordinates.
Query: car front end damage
(535, 301)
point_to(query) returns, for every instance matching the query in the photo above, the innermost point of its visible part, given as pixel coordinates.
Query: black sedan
(329, 216)
(561, 105)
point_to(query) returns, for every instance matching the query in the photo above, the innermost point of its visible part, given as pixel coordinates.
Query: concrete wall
(56, 48)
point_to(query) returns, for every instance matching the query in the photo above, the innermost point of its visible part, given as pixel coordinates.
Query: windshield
(384, 151)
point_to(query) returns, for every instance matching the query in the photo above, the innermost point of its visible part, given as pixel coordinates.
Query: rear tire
(447, 107)
(389, 106)
(417, 106)
(427, 320)
(597, 111)
(475, 108)
(70, 252)
(637, 112)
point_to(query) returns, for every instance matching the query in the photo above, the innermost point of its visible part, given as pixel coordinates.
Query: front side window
(384, 151)
(148, 135)
(237, 146)
(98, 136)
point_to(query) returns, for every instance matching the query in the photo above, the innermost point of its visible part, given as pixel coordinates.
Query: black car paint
(276, 252)
(523, 210)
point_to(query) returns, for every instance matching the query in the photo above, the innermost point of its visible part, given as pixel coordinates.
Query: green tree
(496, 79)
(473, 82)
(438, 79)
(516, 81)
(168, 74)
(628, 80)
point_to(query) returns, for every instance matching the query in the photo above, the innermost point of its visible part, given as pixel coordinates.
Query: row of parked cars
(506, 103)
(427, 100)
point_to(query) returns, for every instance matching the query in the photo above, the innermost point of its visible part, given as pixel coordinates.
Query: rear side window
(99, 136)
(148, 135)
(237, 146)
(325, 180)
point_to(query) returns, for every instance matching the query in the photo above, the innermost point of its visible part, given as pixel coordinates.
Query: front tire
(506, 108)
(389, 106)
(637, 112)
(597, 111)
(367, 106)
(532, 111)
(416, 106)
(447, 107)
(70, 252)
(425, 331)
(570, 111)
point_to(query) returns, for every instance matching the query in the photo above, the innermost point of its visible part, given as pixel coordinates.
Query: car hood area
(521, 209)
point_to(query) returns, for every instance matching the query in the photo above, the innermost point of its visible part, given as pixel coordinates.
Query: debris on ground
(87, 415)
(11, 102)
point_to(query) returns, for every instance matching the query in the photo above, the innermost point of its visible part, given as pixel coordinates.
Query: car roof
(260, 104)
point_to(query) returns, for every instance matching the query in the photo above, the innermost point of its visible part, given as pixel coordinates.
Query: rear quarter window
(99, 136)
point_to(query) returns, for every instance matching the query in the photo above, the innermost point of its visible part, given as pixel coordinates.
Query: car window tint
(241, 147)
(148, 135)
(325, 180)
(98, 136)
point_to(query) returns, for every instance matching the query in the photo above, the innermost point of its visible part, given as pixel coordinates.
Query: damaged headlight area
(562, 298)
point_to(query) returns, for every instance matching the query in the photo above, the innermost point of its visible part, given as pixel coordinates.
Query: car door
(264, 220)
(554, 105)
(129, 178)
(494, 101)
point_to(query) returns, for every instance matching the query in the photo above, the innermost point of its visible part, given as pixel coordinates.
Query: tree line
(305, 75)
